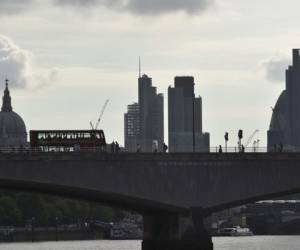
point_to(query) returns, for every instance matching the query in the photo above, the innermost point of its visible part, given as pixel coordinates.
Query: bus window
(66, 139)
(41, 136)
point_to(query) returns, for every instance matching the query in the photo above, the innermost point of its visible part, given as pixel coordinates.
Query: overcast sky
(66, 57)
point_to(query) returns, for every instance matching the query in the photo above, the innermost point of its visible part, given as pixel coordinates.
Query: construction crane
(251, 137)
(92, 126)
(100, 117)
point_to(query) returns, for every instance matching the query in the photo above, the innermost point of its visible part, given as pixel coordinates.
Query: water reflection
(220, 243)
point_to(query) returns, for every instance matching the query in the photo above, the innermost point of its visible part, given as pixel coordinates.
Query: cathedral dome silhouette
(12, 127)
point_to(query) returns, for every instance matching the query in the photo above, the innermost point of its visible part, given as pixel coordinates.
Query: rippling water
(258, 243)
(220, 243)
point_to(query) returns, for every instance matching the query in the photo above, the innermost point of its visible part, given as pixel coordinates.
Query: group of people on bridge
(154, 147)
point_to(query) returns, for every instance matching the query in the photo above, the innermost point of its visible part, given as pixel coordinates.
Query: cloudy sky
(64, 58)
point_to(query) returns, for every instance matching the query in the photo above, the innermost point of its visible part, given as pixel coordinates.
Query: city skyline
(232, 133)
(68, 60)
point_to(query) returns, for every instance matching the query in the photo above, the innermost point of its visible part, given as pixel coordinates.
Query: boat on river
(234, 231)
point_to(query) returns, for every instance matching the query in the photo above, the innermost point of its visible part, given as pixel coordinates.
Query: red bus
(67, 140)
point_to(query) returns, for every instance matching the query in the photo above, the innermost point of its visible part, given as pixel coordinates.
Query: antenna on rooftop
(139, 67)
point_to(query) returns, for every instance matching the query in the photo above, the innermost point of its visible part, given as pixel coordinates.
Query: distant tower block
(132, 127)
(151, 107)
(144, 121)
(181, 100)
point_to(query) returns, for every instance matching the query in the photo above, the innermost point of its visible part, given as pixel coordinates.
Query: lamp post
(226, 140)
(240, 136)
(193, 102)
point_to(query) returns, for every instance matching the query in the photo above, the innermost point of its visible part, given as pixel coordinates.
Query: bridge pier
(175, 232)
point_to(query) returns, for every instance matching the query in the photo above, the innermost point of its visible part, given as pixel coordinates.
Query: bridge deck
(148, 182)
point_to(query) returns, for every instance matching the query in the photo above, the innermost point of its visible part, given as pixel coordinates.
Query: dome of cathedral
(12, 127)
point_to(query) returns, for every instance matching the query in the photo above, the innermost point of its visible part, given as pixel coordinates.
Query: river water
(220, 243)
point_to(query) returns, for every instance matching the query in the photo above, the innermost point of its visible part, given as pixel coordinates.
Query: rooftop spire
(6, 105)
(140, 74)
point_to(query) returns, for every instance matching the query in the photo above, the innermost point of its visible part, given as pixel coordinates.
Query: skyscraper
(284, 128)
(151, 111)
(144, 121)
(132, 127)
(185, 118)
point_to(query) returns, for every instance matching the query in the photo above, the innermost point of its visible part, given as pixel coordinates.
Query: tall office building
(285, 122)
(185, 118)
(144, 121)
(132, 127)
(151, 111)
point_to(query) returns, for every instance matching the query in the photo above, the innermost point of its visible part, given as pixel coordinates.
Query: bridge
(174, 192)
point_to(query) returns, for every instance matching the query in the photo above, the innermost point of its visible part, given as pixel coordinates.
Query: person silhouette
(117, 147)
(112, 147)
(165, 147)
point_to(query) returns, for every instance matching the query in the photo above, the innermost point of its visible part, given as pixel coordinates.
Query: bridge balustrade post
(175, 232)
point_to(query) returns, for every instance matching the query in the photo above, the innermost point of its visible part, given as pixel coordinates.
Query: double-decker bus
(67, 140)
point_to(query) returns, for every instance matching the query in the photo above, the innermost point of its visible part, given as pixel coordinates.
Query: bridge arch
(121, 201)
(248, 200)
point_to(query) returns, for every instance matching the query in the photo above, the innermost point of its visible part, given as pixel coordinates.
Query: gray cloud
(144, 7)
(13, 6)
(137, 7)
(274, 68)
(16, 64)
(159, 6)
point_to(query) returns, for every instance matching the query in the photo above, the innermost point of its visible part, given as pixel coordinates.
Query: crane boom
(101, 114)
(250, 138)
(91, 124)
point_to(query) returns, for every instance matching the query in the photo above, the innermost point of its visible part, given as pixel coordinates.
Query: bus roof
(67, 131)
